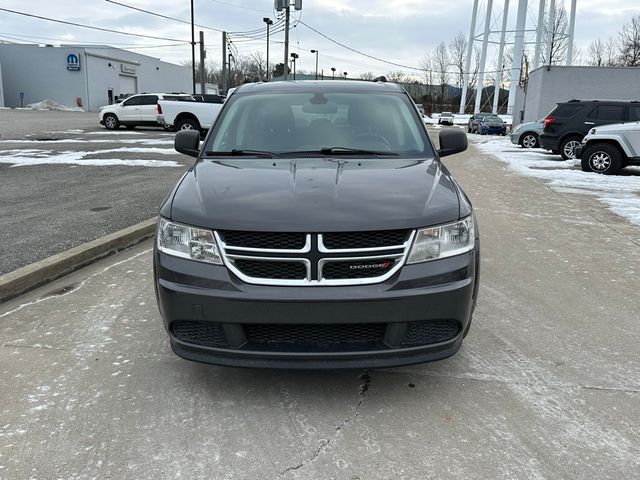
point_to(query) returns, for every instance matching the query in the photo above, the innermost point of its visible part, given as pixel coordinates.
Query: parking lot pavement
(62, 187)
(546, 385)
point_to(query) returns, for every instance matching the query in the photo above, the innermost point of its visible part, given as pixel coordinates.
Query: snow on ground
(621, 193)
(142, 141)
(47, 104)
(23, 157)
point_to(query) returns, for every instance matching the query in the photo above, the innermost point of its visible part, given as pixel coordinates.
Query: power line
(240, 6)
(359, 52)
(161, 15)
(91, 27)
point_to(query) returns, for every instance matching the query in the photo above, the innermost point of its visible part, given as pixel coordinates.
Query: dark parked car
(569, 122)
(492, 125)
(317, 228)
(476, 119)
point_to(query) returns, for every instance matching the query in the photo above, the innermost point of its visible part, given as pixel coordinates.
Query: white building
(91, 75)
(549, 85)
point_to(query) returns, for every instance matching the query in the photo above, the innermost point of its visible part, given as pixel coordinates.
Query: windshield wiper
(240, 153)
(340, 151)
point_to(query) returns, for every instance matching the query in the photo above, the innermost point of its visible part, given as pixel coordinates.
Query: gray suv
(318, 228)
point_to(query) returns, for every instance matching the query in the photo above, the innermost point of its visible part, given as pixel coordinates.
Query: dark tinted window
(634, 113)
(310, 121)
(133, 101)
(607, 112)
(567, 110)
(149, 100)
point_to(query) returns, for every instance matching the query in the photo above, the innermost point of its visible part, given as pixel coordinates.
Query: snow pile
(621, 193)
(47, 157)
(51, 105)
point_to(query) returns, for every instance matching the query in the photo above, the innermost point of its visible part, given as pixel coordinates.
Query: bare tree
(559, 36)
(396, 77)
(458, 54)
(367, 76)
(603, 53)
(629, 45)
(441, 63)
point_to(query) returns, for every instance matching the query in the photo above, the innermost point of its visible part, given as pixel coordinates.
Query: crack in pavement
(364, 388)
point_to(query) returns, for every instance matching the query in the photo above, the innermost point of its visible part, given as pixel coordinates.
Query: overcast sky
(400, 31)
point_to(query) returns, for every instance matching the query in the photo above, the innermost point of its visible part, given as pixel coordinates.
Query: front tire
(529, 140)
(568, 146)
(111, 122)
(602, 158)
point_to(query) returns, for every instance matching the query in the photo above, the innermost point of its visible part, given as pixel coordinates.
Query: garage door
(128, 84)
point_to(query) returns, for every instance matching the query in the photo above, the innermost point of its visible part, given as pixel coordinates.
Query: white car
(446, 118)
(174, 115)
(136, 110)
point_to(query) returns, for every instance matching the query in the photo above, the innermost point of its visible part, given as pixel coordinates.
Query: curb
(31, 276)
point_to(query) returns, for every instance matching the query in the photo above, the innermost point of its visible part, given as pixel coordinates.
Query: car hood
(315, 194)
(635, 126)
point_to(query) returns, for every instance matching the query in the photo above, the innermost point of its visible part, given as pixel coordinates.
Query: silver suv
(608, 149)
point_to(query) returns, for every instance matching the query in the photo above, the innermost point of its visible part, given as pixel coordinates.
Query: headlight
(444, 241)
(187, 242)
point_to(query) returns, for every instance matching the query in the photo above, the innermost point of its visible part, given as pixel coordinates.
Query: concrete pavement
(546, 386)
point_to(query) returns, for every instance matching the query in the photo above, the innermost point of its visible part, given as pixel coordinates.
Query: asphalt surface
(546, 385)
(48, 208)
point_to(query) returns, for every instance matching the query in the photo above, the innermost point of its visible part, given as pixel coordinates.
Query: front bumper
(493, 130)
(515, 138)
(438, 291)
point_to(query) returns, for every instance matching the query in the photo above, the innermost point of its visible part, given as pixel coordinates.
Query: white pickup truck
(180, 115)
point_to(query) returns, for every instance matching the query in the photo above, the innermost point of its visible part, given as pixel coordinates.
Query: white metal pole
(550, 26)
(472, 34)
(572, 27)
(517, 54)
(483, 57)
(496, 90)
(539, 32)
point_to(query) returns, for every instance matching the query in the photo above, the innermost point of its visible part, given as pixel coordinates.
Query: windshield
(320, 121)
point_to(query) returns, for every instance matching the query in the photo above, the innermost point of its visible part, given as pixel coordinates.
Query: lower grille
(314, 337)
(200, 333)
(271, 269)
(357, 269)
(430, 331)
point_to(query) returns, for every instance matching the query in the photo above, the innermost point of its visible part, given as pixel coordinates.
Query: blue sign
(73, 62)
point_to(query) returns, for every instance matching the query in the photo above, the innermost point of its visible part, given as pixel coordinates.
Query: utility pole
(203, 55)
(193, 52)
(225, 87)
(286, 39)
(229, 56)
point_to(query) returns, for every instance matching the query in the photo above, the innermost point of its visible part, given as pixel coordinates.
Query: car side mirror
(452, 141)
(188, 142)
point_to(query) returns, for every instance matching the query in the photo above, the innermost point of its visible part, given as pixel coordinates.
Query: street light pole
(269, 22)
(193, 51)
(294, 56)
(316, 52)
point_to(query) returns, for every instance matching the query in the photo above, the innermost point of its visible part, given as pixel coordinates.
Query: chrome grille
(303, 259)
